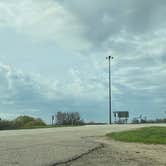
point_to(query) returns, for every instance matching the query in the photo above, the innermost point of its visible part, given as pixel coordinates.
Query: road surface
(46, 147)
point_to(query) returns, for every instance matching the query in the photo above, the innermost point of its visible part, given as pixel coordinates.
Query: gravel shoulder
(111, 157)
(116, 153)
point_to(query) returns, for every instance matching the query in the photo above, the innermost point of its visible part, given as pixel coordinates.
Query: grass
(148, 135)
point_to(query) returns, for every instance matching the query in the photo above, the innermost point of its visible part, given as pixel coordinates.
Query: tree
(68, 118)
(27, 122)
(21, 122)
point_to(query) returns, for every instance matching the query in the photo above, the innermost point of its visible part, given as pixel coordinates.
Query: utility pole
(52, 120)
(110, 104)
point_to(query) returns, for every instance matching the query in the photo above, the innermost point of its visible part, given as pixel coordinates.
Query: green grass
(148, 135)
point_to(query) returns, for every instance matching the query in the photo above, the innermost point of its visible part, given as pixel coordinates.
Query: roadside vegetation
(22, 122)
(148, 135)
(61, 119)
(144, 120)
(68, 118)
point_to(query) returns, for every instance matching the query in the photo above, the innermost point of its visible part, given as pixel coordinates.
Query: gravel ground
(109, 157)
(123, 154)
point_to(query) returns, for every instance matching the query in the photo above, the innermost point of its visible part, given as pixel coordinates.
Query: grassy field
(148, 135)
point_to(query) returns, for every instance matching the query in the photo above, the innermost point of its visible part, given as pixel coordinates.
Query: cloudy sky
(52, 57)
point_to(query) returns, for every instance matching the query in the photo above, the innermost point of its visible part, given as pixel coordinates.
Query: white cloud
(31, 92)
(133, 32)
(139, 62)
(44, 20)
(17, 87)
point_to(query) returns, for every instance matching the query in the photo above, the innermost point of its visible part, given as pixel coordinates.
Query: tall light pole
(110, 104)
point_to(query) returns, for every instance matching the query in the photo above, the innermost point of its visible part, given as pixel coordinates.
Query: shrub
(6, 124)
(21, 122)
(34, 123)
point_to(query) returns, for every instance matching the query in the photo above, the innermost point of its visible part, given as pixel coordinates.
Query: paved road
(44, 147)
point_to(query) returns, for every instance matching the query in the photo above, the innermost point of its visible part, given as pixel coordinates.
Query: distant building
(121, 117)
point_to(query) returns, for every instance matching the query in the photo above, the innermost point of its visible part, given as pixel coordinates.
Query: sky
(53, 58)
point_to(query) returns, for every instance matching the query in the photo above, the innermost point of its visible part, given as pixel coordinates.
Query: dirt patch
(149, 151)
(127, 154)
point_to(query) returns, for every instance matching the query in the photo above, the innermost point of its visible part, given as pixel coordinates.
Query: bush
(6, 125)
(21, 122)
(34, 123)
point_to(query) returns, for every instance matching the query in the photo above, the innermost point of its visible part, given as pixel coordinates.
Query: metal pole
(52, 120)
(110, 104)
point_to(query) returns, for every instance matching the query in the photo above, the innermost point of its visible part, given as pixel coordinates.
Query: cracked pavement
(45, 147)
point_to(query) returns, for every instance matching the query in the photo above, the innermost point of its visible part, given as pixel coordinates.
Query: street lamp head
(109, 57)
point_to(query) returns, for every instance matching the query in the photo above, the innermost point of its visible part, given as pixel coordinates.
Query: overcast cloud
(53, 53)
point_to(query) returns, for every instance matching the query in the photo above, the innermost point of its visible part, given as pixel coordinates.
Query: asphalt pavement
(45, 147)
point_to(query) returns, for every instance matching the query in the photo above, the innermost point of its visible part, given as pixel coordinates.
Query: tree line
(144, 120)
(68, 118)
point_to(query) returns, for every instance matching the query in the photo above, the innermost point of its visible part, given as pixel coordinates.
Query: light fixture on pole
(110, 104)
